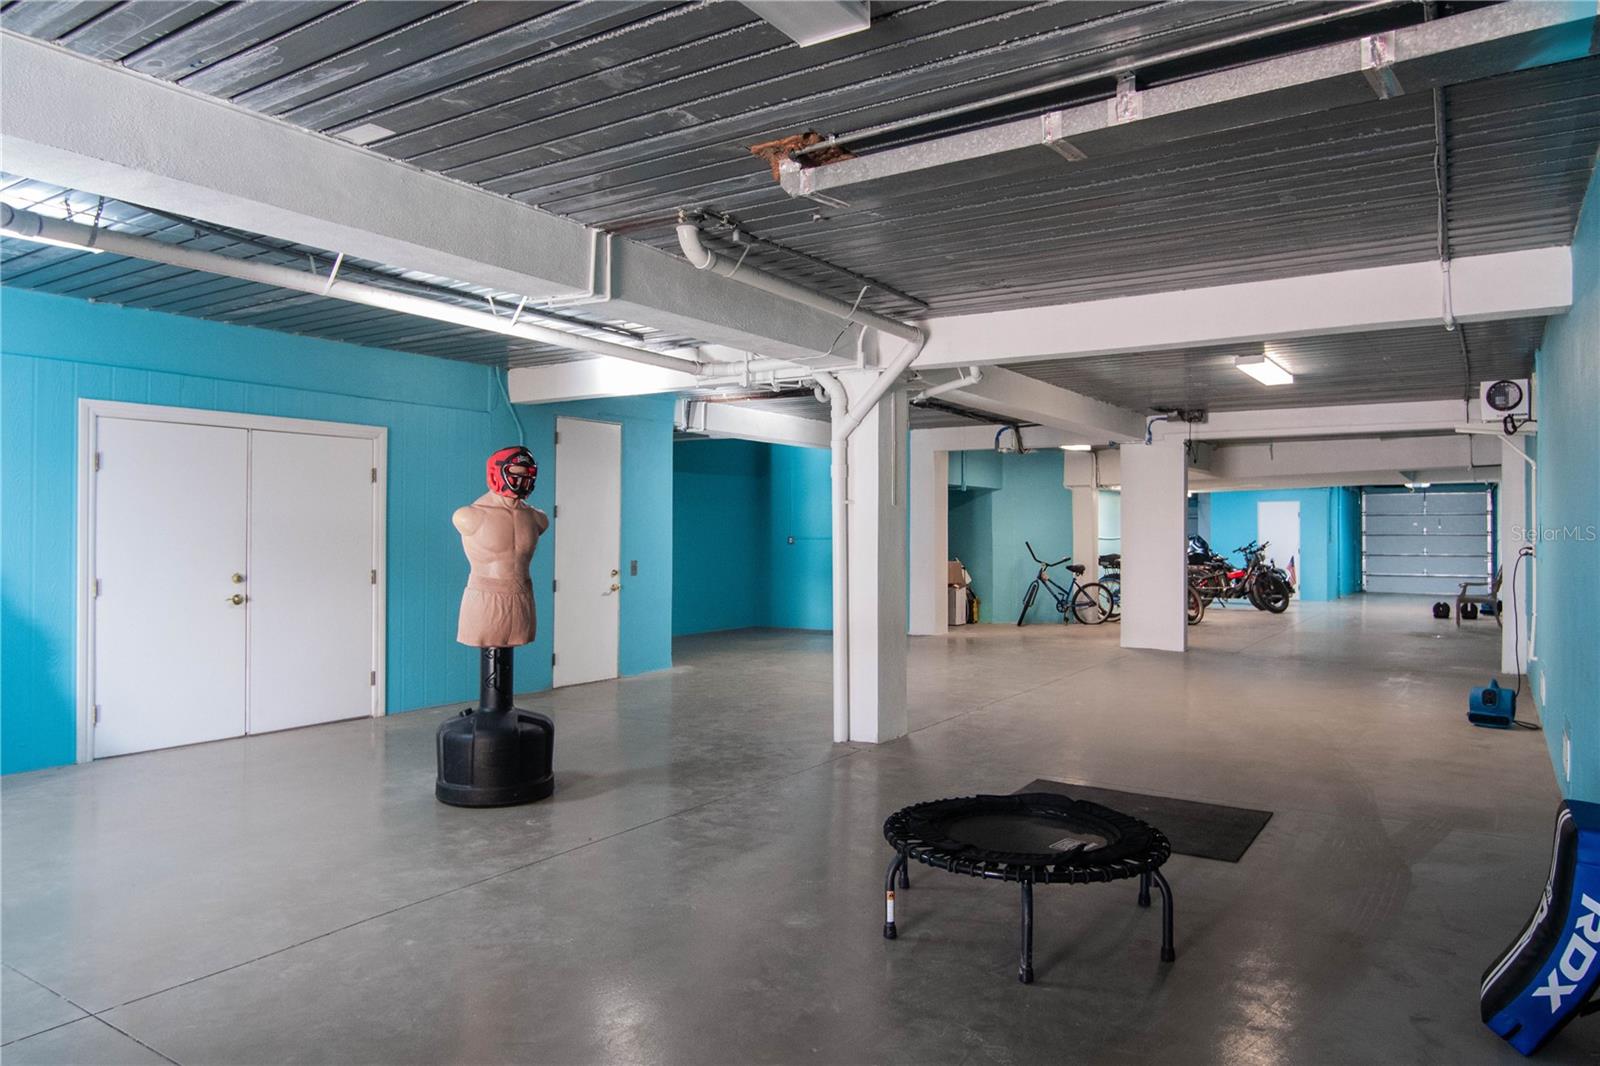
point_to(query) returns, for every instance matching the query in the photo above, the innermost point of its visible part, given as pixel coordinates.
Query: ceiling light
(813, 21)
(366, 133)
(1419, 484)
(1264, 369)
(1077, 447)
(19, 224)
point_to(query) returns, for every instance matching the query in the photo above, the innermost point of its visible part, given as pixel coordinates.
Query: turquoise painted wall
(1566, 570)
(442, 417)
(1329, 546)
(736, 506)
(988, 528)
(720, 522)
(800, 592)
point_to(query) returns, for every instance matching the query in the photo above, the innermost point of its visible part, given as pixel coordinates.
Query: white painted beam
(1354, 420)
(734, 421)
(110, 131)
(1530, 283)
(1018, 398)
(1349, 479)
(1293, 458)
(588, 379)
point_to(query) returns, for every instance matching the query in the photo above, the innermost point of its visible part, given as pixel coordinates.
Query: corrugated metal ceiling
(620, 114)
(1411, 364)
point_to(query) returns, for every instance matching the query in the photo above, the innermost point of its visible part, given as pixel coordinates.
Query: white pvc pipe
(703, 258)
(973, 375)
(839, 473)
(27, 225)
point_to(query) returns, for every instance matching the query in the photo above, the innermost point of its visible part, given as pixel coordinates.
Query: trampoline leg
(1144, 890)
(1025, 965)
(1167, 954)
(895, 864)
(905, 864)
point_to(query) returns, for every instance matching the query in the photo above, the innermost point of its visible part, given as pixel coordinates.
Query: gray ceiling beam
(109, 131)
(1447, 51)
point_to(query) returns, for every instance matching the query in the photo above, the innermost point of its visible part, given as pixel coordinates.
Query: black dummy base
(495, 755)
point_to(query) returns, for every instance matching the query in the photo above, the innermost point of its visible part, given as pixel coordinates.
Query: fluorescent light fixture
(365, 133)
(808, 22)
(53, 242)
(1419, 484)
(1077, 447)
(1264, 369)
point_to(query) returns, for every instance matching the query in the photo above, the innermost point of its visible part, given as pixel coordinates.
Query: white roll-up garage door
(1426, 541)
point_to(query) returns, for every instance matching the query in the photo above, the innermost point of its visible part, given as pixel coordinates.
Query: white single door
(169, 529)
(1278, 527)
(311, 582)
(588, 532)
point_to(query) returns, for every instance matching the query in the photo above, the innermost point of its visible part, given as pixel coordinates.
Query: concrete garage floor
(705, 884)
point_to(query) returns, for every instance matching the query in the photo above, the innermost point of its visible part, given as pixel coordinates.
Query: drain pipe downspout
(704, 258)
(846, 419)
(839, 475)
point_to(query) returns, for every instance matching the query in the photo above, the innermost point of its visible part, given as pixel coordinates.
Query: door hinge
(97, 460)
(373, 678)
(558, 436)
(97, 714)
(374, 475)
(374, 577)
(554, 584)
(555, 512)
(552, 658)
(97, 588)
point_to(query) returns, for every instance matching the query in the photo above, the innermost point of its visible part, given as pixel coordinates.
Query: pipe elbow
(689, 242)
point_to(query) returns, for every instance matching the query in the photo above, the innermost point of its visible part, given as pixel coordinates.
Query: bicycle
(1089, 603)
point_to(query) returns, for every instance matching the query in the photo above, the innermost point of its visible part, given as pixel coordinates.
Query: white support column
(1155, 480)
(1079, 475)
(877, 565)
(929, 489)
(1512, 522)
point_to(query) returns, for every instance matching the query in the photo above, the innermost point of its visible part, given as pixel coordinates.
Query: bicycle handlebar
(1040, 561)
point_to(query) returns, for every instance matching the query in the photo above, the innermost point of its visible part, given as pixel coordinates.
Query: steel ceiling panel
(1392, 365)
(128, 27)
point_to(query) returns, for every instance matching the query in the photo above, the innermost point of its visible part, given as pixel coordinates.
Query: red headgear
(512, 472)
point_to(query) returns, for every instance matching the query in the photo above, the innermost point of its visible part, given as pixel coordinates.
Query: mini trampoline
(1035, 838)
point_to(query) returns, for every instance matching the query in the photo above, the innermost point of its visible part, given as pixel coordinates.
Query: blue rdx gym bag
(1548, 974)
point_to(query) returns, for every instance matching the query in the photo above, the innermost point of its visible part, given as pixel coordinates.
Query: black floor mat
(1205, 830)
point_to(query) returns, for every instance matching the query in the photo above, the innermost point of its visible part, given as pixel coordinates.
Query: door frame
(89, 414)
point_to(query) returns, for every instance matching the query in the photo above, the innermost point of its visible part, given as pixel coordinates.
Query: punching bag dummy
(496, 754)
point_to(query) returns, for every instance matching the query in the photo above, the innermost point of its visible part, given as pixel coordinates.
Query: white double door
(235, 582)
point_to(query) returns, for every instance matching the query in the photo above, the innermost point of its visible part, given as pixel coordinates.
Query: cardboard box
(957, 606)
(956, 575)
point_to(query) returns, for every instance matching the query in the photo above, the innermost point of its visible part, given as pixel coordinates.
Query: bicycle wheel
(1197, 606)
(1027, 602)
(1113, 585)
(1091, 604)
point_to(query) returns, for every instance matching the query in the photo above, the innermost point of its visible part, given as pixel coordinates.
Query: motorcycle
(1215, 578)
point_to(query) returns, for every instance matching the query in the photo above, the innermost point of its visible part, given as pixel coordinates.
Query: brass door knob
(614, 573)
(616, 588)
(236, 599)
(238, 579)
